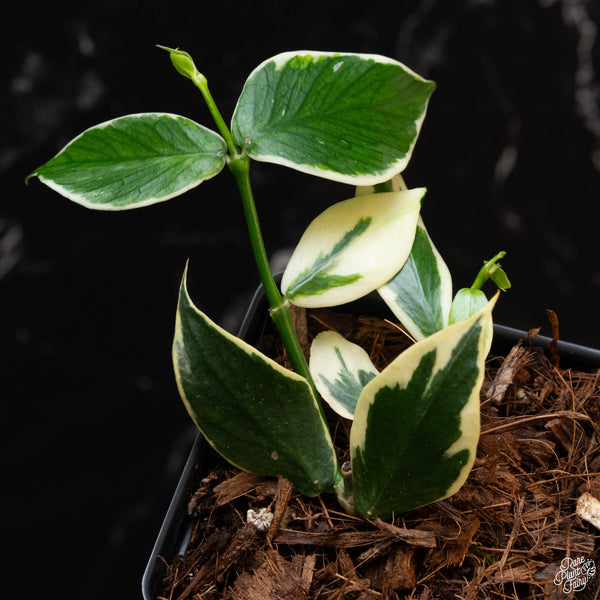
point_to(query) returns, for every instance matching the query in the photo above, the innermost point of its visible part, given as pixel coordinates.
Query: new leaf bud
(183, 63)
(465, 304)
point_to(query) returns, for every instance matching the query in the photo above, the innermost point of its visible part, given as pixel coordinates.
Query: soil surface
(506, 534)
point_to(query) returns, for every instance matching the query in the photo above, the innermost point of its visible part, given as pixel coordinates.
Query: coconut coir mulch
(502, 536)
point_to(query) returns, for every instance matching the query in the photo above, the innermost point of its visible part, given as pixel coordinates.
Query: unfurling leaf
(499, 277)
(352, 118)
(416, 424)
(134, 161)
(260, 416)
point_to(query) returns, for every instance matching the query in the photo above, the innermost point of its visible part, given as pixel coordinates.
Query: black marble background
(93, 432)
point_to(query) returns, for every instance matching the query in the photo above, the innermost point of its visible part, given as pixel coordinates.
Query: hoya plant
(354, 119)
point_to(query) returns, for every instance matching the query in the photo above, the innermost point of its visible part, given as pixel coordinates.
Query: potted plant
(414, 424)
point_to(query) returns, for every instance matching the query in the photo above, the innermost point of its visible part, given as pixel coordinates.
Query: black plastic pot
(176, 530)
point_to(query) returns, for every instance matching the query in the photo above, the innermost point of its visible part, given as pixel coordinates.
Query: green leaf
(500, 278)
(420, 294)
(134, 161)
(465, 304)
(352, 248)
(352, 118)
(340, 370)
(416, 425)
(260, 416)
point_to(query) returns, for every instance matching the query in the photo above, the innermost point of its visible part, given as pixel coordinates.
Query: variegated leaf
(416, 425)
(420, 294)
(134, 161)
(340, 370)
(352, 118)
(260, 416)
(352, 248)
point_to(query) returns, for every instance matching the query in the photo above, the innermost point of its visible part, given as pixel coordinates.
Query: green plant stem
(343, 487)
(200, 82)
(280, 309)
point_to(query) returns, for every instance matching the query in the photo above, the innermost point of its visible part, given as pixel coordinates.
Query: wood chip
(338, 538)
(335, 538)
(282, 499)
(308, 571)
(414, 537)
(506, 374)
(458, 551)
(400, 571)
(516, 571)
(238, 485)
(274, 579)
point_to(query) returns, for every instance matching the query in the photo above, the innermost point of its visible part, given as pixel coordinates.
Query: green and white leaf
(340, 370)
(420, 294)
(134, 161)
(260, 416)
(352, 118)
(352, 248)
(416, 425)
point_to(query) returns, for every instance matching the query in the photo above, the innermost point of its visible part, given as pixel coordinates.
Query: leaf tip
(31, 176)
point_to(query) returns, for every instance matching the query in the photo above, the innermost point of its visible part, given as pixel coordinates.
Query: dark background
(93, 432)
